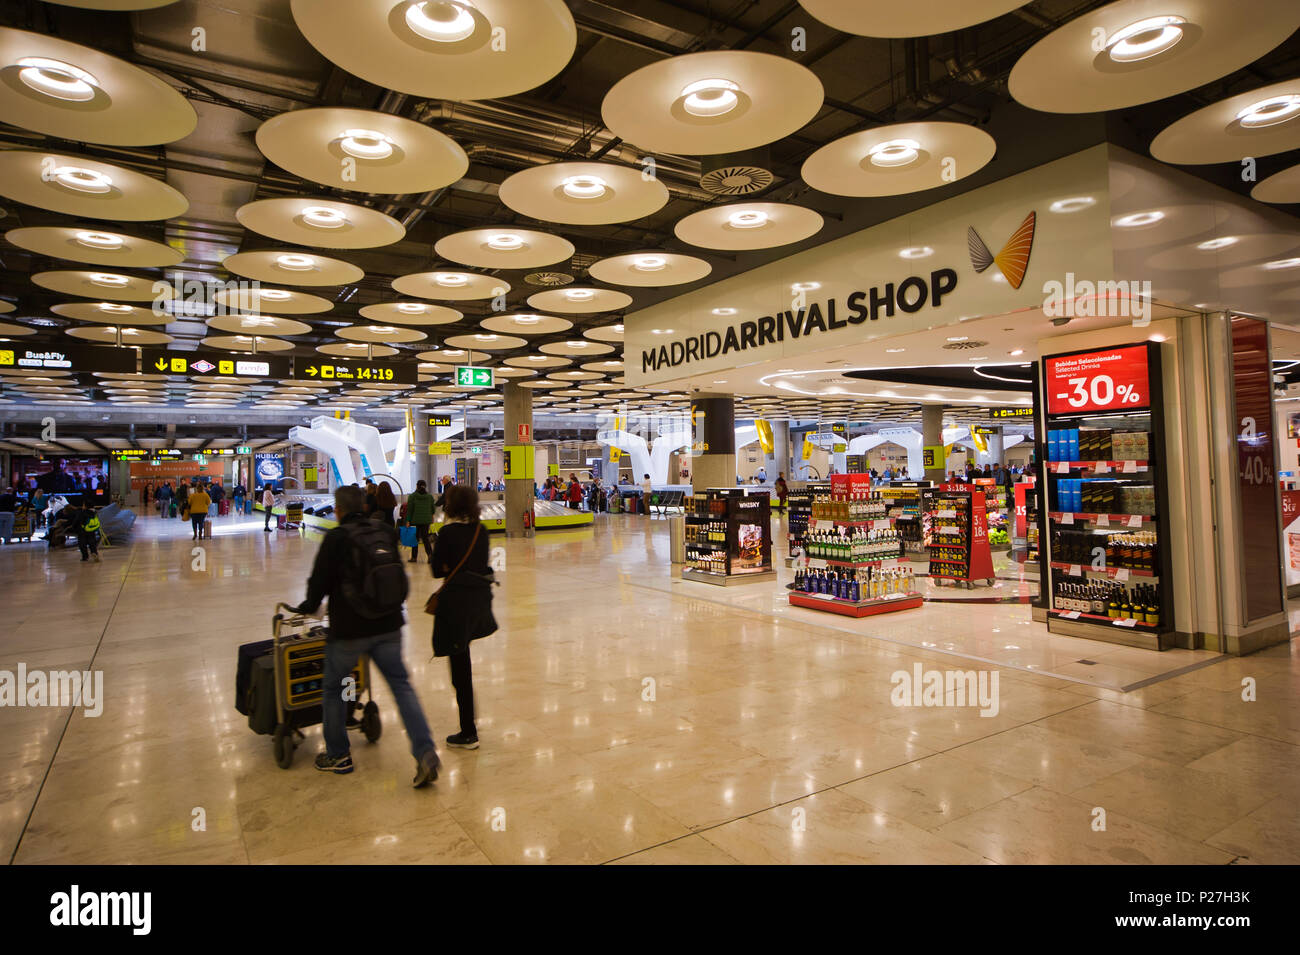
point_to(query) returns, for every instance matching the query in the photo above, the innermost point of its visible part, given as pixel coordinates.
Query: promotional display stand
(799, 505)
(1108, 575)
(904, 501)
(728, 537)
(850, 563)
(959, 535)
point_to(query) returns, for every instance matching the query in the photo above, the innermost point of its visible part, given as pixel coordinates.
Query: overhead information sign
(143, 454)
(73, 358)
(1011, 412)
(468, 376)
(440, 447)
(348, 371)
(160, 361)
(440, 421)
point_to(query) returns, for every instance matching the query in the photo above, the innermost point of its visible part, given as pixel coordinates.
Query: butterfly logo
(1013, 260)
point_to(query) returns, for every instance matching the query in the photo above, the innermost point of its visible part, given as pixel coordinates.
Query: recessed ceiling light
(784, 371)
(295, 263)
(916, 252)
(959, 338)
(486, 338)
(1270, 112)
(56, 78)
(724, 311)
(537, 358)
(273, 294)
(583, 187)
(709, 98)
(1139, 219)
(1015, 352)
(805, 286)
(443, 21)
(113, 307)
(109, 281)
(980, 358)
(895, 351)
(579, 294)
(720, 381)
(618, 328)
(1282, 264)
(505, 242)
(99, 240)
(82, 179)
(649, 263)
(661, 331)
(366, 144)
(451, 279)
(411, 308)
(747, 219)
(1210, 245)
(1156, 338)
(1145, 38)
(323, 217)
(578, 344)
(895, 152)
(1073, 204)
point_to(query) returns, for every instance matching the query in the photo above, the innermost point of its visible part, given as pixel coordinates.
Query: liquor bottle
(1112, 606)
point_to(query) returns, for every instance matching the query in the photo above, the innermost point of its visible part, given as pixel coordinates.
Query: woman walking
(385, 504)
(462, 608)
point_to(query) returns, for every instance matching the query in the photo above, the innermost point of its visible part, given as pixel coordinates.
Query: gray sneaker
(426, 769)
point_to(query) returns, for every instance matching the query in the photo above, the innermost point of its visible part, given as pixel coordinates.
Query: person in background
(596, 496)
(372, 492)
(761, 474)
(144, 493)
(441, 501)
(216, 492)
(86, 524)
(645, 493)
(782, 489)
(39, 503)
(460, 554)
(237, 495)
(164, 496)
(419, 514)
(574, 492)
(385, 504)
(199, 502)
(268, 504)
(183, 497)
(353, 632)
(8, 500)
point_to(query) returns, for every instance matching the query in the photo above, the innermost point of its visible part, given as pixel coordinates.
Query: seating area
(663, 501)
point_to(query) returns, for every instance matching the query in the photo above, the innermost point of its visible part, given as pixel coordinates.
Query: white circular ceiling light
(900, 159)
(1262, 122)
(292, 268)
(84, 187)
(325, 223)
(583, 193)
(650, 269)
(748, 225)
(451, 286)
(503, 248)
(905, 19)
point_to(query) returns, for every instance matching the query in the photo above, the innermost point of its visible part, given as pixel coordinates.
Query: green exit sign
(243, 449)
(467, 376)
(475, 450)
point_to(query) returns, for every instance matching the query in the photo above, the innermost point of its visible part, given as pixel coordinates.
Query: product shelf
(1100, 618)
(1116, 520)
(860, 608)
(1078, 570)
(818, 563)
(1100, 467)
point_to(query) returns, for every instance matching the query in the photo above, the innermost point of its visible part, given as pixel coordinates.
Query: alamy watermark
(923, 687)
(1084, 298)
(53, 688)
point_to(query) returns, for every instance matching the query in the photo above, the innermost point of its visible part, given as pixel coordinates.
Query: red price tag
(1114, 379)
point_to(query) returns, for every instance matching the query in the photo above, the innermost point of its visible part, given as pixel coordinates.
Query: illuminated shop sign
(908, 296)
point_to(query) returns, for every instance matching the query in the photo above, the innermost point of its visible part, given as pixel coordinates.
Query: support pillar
(932, 435)
(520, 518)
(422, 436)
(713, 463)
(780, 450)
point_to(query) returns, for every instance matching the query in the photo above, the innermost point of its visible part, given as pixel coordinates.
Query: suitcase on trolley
(283, 684)
(207, 528)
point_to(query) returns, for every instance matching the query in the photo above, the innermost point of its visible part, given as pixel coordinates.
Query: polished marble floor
(627, 716)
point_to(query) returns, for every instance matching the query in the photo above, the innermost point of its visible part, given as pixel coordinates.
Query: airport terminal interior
(882, 419)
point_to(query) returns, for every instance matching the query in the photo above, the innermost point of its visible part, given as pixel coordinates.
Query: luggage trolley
(298, 651)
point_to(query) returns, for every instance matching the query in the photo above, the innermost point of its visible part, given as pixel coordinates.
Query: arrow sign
(468, 376)
(311, 370)
(161, 364)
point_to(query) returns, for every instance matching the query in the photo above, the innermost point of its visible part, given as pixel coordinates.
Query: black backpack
(375, 584)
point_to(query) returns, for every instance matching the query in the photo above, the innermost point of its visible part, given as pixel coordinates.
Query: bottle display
(1139, 603)
(855, 585)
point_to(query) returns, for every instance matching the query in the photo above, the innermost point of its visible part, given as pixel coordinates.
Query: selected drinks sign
(1113, 379)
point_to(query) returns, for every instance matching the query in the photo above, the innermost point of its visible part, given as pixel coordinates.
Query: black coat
(465, 600)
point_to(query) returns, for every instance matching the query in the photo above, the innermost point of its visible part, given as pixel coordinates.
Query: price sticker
(1103, 520)
(1130, 467)
(1075, 570)
(1135, 520)
(1063, 467)
(1067, 518)
(1121, 574)
(1071, 615)
(881, 524)
(1125, 623)
(1103, 467)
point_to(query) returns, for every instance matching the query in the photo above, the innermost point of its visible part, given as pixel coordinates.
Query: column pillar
(931, 435)
(519, 488)
(997, 451)
(422, 438)
(713, 461)
(780, 450)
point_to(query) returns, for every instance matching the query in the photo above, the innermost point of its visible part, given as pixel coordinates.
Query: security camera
(1063, 320)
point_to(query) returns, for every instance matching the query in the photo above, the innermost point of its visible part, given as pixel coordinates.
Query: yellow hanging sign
(765, 439)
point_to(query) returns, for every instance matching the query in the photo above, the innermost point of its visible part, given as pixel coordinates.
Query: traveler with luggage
(268, 504)
(462, 607)
(199, 502)
(164, 498)
(359, 569)
(238, 493)
(419, 514)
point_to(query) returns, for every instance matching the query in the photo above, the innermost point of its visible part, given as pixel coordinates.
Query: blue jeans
(385, 651)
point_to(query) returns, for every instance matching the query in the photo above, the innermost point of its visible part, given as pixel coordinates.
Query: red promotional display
(959, 535)
(1252, 396)
(1113, 379)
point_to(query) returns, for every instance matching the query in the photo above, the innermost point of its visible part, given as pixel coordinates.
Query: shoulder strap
(469, 550)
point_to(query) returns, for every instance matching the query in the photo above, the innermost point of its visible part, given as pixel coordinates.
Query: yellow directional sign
(440, 447)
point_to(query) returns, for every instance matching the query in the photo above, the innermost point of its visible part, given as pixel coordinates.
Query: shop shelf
(1100, 467)
(1122, 572)
(1099, 618)
(1114, 520)
(819, 562)
(861, 608)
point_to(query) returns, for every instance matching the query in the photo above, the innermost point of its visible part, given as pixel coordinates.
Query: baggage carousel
(548, 515)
